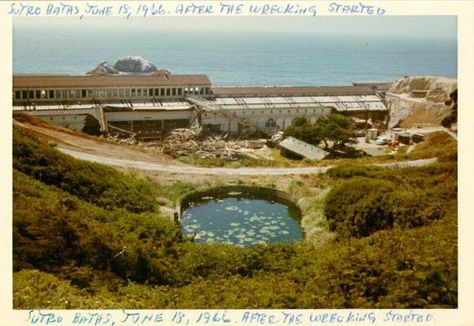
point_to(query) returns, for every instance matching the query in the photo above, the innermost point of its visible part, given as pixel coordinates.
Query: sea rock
(129, 64)
(103, 68)
(134, 65)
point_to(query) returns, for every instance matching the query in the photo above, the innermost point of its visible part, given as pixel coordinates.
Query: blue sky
(428, 27)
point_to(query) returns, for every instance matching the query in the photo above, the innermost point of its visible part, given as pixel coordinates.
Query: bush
(92, 182)
(368, 199)
(346, 171)
(88, 257)
(52, 229)
(356, 207)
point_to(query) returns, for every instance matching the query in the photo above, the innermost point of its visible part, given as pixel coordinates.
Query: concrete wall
(72, 121)
(149, 115)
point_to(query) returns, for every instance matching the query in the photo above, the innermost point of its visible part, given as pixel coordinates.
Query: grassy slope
(65, 247)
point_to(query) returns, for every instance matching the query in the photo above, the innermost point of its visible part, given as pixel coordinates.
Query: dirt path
(171, 168)
(125, 157)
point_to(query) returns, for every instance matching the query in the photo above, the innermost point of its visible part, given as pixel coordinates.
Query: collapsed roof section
(303, 149)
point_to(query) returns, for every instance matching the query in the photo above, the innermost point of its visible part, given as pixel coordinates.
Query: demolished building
(158, 102)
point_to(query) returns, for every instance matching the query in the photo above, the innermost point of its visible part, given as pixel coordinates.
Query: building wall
(267, 119)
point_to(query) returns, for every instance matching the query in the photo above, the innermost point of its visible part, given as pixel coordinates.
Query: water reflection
(241, 219)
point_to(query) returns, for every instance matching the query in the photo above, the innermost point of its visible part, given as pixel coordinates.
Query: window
(31, 94)
(17, 95)
(120, 92)
(84, 93)
(44, 94)
(127, 93)
(90, 93)
(64, 93)
(24, 94)
(168, 92)
(156, 91)
(134, 92)
(114, 93)
(270, 123)
(150, 92)
(38, 94)
(51, 94)
(162, 92)
(180, 91)
(173, 92)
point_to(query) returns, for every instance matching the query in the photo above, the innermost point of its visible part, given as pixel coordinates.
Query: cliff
(419, 100)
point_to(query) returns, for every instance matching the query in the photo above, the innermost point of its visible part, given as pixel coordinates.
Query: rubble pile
(186, 142)
(120, 140)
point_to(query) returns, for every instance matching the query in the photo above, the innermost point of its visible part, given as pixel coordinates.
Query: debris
(187, 142)
(303, 149)
(373, 151)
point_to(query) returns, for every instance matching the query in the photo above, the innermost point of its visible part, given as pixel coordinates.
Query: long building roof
(70, 81)
(291, 91)
(340, 103)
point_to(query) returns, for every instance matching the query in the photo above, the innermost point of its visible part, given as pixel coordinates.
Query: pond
(241, 218)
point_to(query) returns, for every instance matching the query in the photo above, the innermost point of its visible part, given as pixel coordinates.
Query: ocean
(238, 58)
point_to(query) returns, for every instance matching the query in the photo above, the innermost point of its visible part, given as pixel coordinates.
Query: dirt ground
(88, 145)
(166, 170)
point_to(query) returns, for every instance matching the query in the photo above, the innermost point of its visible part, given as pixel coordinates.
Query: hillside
(85, 237)
(419, 100)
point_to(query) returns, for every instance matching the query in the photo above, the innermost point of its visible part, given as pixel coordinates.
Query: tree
(453, 117)
(336, 128)
(303, 130)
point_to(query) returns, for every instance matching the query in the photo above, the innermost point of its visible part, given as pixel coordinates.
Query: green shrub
(345, 171)
(52, 229)
(95, 183)
(368, 199)
(88, 257)
(356, 207)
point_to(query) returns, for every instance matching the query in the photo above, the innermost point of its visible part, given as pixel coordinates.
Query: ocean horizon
(238, 58)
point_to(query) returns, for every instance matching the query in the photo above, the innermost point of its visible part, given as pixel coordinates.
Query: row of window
(235, 113)
(108, 93)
